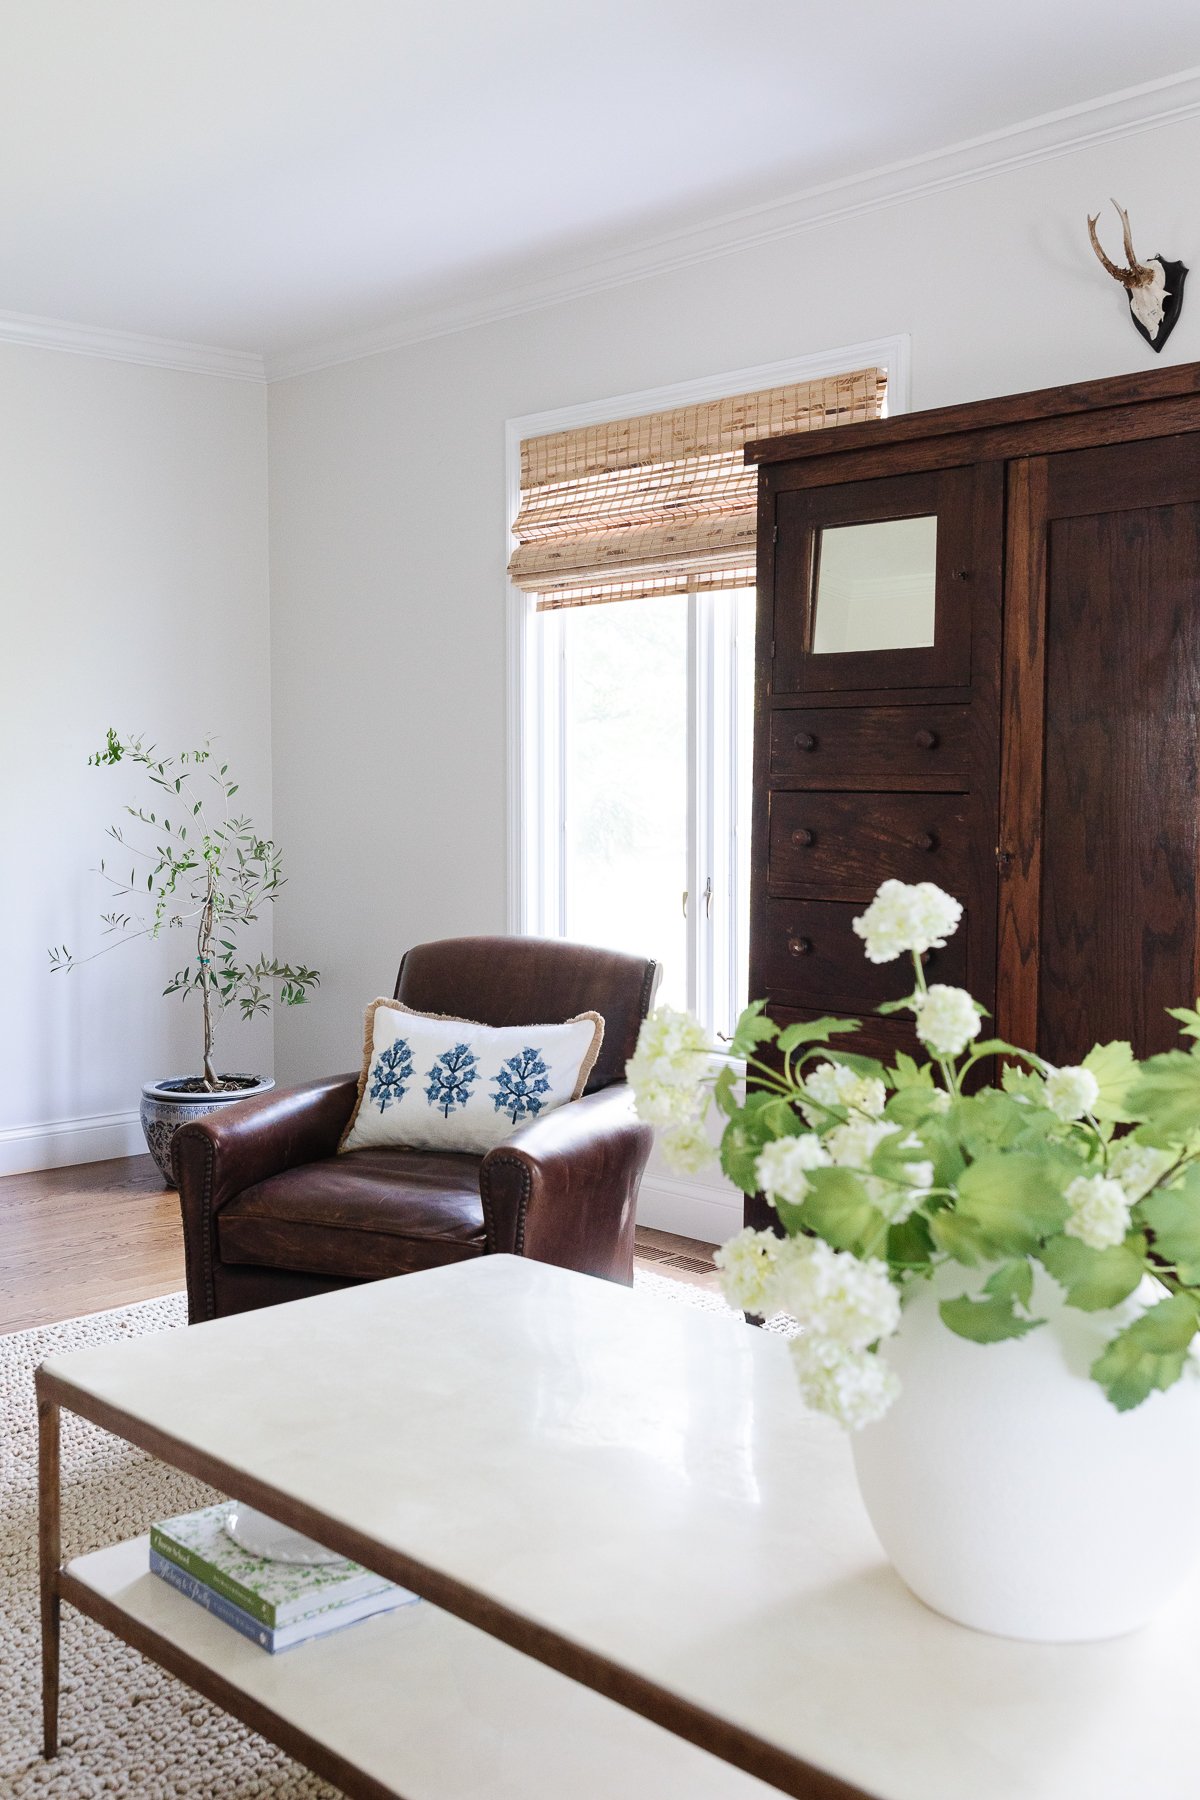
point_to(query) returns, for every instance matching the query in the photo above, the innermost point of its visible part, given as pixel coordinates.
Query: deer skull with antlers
(1154, 289)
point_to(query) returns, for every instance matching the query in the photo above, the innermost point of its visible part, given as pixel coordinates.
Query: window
(632, 663)
(647, 710)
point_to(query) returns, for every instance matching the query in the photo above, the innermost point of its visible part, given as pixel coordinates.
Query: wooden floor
(79, 1240)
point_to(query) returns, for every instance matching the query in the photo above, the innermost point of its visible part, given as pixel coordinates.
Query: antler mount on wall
(1154, 289)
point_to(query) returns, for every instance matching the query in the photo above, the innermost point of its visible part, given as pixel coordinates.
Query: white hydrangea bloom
(852, 1386)
(781, 1169)
(747, 1264)
(667, 1066)
(1071, 1092)
(947, 1019)
(835, 1295)
(904, 917)
(900, 1203)
(1099, 1211)
(939, 1101)
(853, 1144)
(687, 1147)
(1137, 1166)
(833, 1084)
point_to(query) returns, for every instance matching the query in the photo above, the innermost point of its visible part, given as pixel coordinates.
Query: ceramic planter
(165, 1109)
(1008, 1492)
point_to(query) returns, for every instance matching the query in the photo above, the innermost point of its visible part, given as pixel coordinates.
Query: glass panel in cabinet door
(874, 586)
(875, 583)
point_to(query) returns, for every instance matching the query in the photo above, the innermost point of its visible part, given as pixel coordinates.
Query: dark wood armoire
(978, 663)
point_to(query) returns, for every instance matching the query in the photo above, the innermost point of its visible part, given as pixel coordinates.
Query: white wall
(388, 512)
(133, 592)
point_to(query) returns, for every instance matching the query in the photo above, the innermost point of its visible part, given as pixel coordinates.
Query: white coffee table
(616, 1507)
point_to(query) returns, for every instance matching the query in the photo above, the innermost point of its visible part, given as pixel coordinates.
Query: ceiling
(269, 174)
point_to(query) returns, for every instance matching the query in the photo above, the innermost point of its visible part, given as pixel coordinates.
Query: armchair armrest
(233, 1149)
(563, 1188)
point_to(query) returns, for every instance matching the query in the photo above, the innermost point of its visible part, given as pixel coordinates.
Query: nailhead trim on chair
(648, 986)
(206, 1227)
(489, 1220)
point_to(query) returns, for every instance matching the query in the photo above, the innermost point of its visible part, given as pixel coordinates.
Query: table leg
(49, 1558)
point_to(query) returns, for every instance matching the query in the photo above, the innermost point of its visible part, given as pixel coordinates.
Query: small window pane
(626, 800)
(875, 586)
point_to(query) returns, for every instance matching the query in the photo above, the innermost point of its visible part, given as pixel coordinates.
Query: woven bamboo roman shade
(662, 504)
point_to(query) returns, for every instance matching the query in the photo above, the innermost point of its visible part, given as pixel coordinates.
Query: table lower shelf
(413, 1703)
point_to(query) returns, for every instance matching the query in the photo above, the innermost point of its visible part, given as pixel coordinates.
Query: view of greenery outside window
(649, 718)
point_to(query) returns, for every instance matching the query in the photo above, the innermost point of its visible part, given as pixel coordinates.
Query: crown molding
(1147, 107)
(130, 347)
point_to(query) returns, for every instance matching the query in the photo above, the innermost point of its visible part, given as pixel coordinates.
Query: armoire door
(1100, 808)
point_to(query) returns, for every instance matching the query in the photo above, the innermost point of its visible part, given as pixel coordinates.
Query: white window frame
(536, 761)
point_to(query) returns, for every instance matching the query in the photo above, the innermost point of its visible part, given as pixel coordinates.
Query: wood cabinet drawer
(877, 1037)
(836, 744)
(841, 846)
(810, 953)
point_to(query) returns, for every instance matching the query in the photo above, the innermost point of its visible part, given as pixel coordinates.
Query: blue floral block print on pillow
(431, 1082)
(451, 1079)
(520, 1085)
(391, 1074)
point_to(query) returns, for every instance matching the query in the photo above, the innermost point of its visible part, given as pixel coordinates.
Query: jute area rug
(126, 1726)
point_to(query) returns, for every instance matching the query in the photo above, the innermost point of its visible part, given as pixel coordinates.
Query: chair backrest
(534, 981)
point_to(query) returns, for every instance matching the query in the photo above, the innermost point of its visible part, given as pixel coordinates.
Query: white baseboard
(59, 1143)
(692, 1209)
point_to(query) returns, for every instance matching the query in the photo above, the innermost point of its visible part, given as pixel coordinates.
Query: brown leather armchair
(271, 1212)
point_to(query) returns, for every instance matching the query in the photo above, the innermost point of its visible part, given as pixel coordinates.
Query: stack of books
(278, 1605)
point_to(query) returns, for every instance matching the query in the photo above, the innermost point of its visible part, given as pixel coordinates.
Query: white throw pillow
(434, 1083)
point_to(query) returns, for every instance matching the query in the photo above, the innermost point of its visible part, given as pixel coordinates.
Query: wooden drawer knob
(799, 946)
(805, 740)
(803, 837)
(926, 841)
(926, 739)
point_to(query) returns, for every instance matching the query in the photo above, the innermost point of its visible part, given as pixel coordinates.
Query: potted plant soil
(204, 871)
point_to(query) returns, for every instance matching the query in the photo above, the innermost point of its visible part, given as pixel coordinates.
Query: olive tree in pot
(205, 871)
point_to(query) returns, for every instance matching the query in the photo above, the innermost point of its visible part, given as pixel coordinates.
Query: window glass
(625, 784)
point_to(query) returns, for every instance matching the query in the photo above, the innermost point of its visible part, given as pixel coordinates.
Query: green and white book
(274, 1593)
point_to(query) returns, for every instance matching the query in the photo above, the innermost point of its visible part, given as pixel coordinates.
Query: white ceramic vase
(1008, 1492)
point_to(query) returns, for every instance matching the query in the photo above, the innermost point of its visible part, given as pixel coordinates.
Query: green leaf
(777, 1118)
(1116, 1072)
(991, 1120)
(907, 1072)
(837, 1208)
(724, 1087)
(912, 1105)
(1011, 1281)
(740, 1148)
(886, 1007)
(1013, 1201)
(1015, 1080)
(909, 1244)
(985, 1321)
(959, 1238)
(1148, 1354)
(1173, 1215)
(1095, 1279)
(1167, 1091)
(1189, 1017)
(813, 1031)
(751, 1029)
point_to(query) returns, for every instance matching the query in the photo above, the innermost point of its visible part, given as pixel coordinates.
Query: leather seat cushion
(364, 1215)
